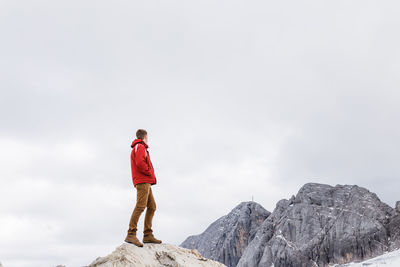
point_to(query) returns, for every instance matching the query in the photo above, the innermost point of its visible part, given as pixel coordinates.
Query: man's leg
(148, 232)
(151, 208)
(141, 203)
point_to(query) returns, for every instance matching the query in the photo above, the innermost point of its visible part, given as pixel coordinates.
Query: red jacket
(142, 168)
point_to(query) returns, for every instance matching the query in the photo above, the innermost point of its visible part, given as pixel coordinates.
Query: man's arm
(140, 160)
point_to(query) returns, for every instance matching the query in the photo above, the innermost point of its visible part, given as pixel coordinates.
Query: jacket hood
(136, 141)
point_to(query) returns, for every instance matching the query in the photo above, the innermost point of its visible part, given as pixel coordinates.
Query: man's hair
(141, 133)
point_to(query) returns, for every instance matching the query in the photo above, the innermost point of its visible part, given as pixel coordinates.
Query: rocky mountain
(226, 239)
(154, 255)
(322, 225)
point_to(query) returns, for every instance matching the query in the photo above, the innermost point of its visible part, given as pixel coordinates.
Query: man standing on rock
(143, 178)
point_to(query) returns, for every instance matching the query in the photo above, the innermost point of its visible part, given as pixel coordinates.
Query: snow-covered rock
(390, 259)
(152, 255)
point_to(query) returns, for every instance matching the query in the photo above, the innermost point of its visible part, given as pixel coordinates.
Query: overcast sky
(241, 99)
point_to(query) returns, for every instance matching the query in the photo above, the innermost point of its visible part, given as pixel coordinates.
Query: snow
(390, 259)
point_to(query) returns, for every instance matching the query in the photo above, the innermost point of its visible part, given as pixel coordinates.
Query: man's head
(142, 134)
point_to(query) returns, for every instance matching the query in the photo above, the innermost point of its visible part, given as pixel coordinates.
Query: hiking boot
(149, 238)
(133, 240)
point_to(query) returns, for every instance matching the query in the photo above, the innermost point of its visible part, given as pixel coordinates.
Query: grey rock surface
(394, 228)
(322, 225)
(226, 239)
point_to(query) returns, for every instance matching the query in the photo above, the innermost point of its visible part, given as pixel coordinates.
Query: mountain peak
(226, 238)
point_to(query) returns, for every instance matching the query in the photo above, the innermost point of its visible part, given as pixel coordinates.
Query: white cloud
(239, 99)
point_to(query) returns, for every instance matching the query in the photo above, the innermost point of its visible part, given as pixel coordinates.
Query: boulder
(153, 255)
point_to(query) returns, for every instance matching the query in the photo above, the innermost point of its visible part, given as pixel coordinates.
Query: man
(143, 178)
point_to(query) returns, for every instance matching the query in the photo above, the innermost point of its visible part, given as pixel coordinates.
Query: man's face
(145, 139)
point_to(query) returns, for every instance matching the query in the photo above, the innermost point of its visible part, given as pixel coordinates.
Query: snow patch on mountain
(389, 259)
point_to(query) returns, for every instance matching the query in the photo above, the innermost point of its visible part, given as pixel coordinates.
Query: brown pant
(144, 198)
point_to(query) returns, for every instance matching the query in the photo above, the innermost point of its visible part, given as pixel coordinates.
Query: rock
(322, 225)
(153, 255)
(1, 265)
(226, 239)
(394, 231)
(394, 228)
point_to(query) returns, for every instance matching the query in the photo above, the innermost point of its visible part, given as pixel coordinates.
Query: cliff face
(226, 239)
(394, 228)
(322, 225)
(153, 255)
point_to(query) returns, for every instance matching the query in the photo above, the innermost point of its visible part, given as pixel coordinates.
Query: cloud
(240, 100)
